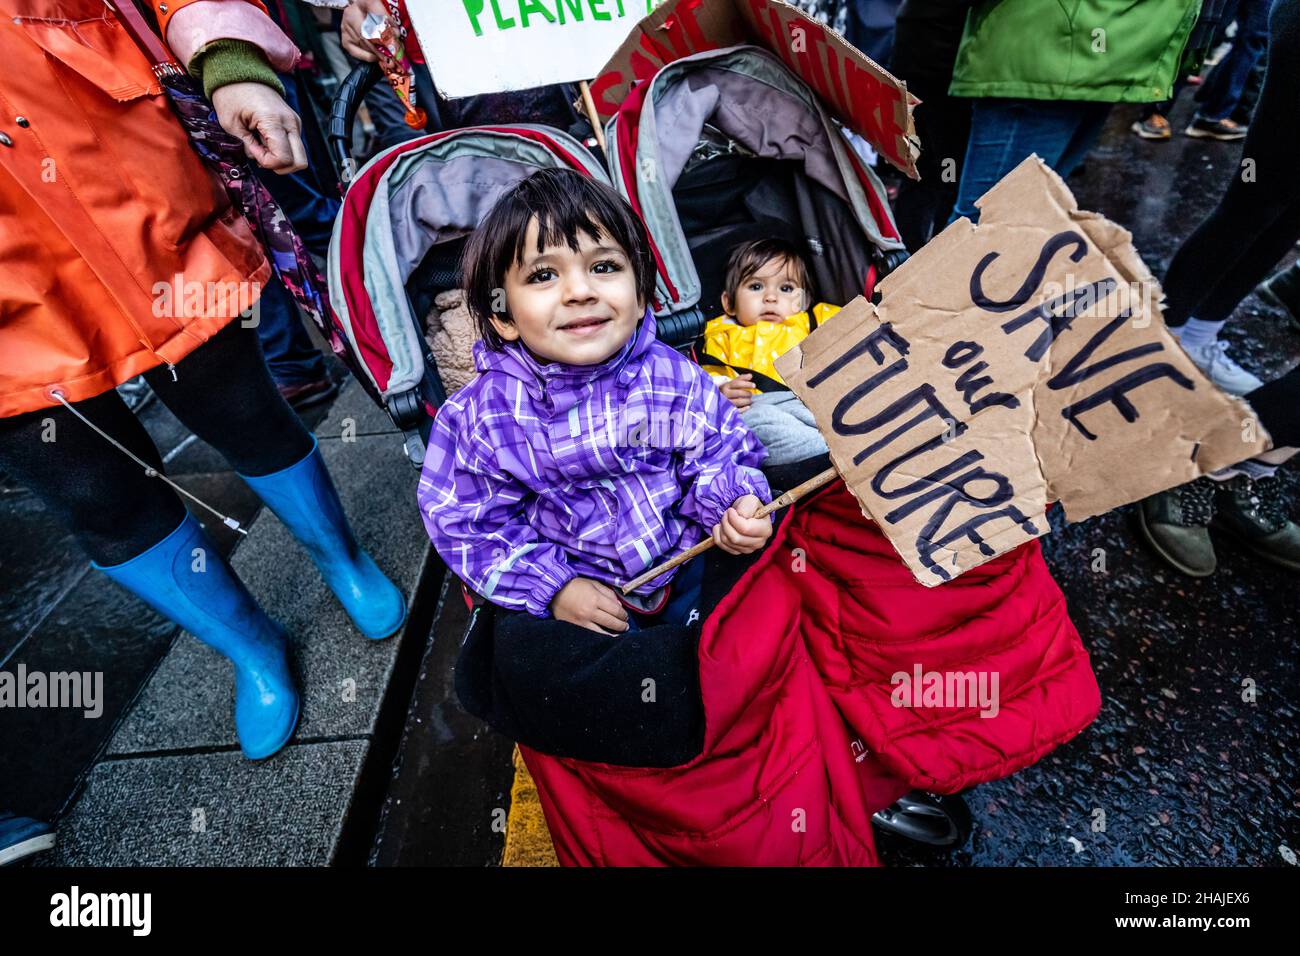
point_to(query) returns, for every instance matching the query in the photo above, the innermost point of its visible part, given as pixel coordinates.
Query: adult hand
(739, 532)
(350, 30)
(260, 117)
(590, 604)
(737, 391)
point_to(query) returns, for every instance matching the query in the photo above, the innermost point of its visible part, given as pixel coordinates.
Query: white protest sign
(492, 46)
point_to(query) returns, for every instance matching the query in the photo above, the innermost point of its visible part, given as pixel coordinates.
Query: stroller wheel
(931, 818)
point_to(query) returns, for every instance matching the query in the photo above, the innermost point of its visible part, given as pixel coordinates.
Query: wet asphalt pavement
(1178, 769)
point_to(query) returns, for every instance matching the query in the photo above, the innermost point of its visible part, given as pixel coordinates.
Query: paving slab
(97, 628)
(173, 787)
(40, 562)
(212, 809)
(450, 786)
(354, 413)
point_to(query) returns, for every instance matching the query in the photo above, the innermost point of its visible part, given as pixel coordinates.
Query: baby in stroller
(765, 298)
(586, 451)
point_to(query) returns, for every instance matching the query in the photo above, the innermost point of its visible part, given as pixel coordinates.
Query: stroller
(728, 145)
(702, 179)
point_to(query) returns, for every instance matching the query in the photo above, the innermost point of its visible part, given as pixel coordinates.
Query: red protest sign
(863, 95)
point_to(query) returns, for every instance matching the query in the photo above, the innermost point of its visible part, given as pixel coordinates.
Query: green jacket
(1109, 51)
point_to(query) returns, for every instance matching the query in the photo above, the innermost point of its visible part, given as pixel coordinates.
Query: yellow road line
(528, 842)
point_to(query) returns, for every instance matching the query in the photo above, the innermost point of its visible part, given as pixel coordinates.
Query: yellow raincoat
(731, 349)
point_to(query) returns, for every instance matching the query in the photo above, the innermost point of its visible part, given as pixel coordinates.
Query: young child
(586, 451)
(765, 300)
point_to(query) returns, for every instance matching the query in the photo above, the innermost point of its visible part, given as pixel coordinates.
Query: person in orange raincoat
(123, 256)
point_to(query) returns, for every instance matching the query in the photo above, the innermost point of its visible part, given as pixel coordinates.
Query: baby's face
(578, 308)
(771, 294)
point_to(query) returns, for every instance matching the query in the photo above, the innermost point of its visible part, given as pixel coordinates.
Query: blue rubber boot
(185, 578)
(303, 497)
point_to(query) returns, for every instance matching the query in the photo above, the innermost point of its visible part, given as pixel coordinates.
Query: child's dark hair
(564, 202)
(748, 257)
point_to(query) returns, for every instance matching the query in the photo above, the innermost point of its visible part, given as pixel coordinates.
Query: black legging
(1258, 218)
(222, 393)
(1277, 403)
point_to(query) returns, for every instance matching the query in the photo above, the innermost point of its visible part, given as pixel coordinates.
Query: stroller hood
(753, 98)
(404, 202)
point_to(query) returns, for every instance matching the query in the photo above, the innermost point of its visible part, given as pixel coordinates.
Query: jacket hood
(517, 361)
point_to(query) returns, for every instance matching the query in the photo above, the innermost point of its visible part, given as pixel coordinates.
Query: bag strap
(763, 383)
(137, 29)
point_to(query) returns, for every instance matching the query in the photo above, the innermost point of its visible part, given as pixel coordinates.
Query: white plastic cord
(149, 470)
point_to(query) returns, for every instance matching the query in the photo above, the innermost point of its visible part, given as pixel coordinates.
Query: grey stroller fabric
(786, 428)
(438, 202)
(838, 259)
(768, 121)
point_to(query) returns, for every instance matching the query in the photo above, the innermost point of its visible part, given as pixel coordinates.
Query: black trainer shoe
(1254, 513)
(1282, 290)
(1176, 524)
(1224, 129)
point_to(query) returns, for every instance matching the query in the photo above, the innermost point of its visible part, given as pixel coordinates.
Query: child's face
(771, 294)
(578, 308)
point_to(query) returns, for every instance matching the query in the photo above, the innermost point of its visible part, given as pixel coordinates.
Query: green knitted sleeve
(223, 62)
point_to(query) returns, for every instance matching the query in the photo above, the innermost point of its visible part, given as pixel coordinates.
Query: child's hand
(737, 391)
(590, 604)
(739, 532)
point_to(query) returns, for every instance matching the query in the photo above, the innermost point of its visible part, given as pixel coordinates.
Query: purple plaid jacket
(537, 474)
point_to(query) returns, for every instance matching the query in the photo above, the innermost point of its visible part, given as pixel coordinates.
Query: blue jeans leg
(870, 27)
(291, 355)
(1222, 89)
(1004, 132)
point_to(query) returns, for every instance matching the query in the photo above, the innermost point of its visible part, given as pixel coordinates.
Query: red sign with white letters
(862, 94)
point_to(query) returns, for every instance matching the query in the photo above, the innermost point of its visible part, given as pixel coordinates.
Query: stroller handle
(343, 113)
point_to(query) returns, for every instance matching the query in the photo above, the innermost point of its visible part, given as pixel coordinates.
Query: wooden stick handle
(789, 498)
(592, 115)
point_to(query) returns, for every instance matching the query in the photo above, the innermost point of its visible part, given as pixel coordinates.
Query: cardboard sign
(864, 96)
(1008, 365)
(491, 46)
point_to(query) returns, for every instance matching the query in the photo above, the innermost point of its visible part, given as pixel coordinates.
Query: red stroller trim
(883, 216)
(628, 133)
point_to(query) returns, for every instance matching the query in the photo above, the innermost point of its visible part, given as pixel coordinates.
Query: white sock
(1196, 333)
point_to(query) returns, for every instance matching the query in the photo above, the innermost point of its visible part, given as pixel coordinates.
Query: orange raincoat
(114, 236)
